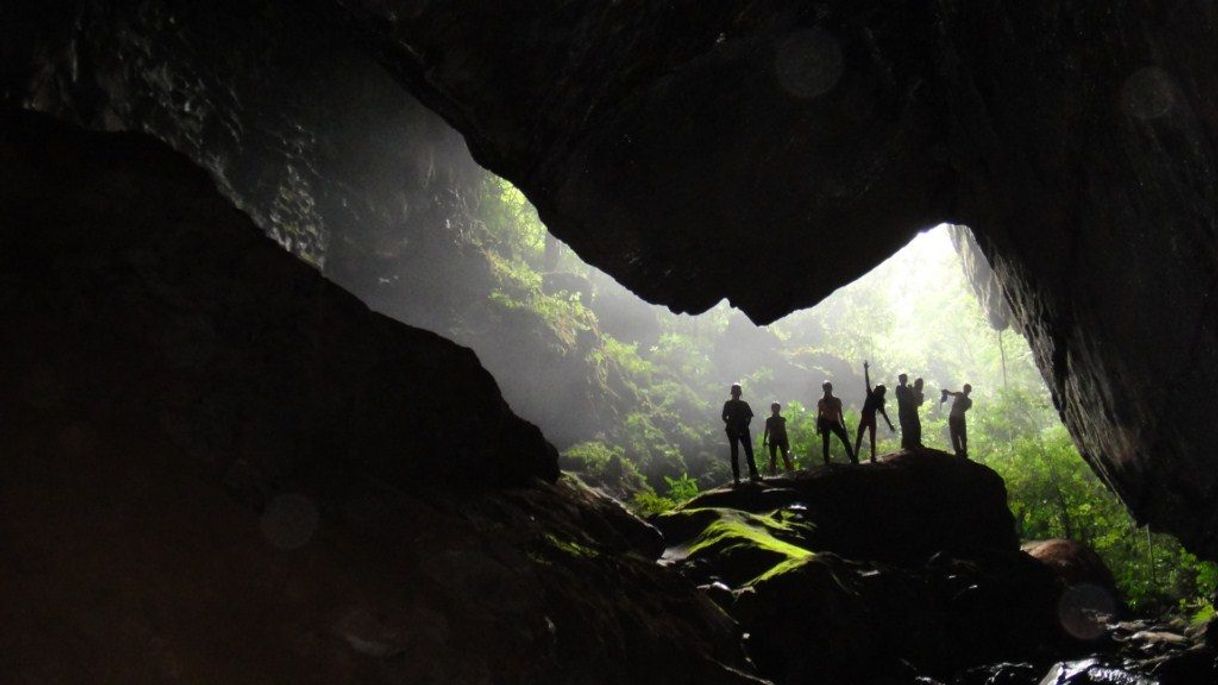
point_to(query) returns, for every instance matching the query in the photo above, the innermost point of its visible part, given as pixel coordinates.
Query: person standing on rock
(874, 404)
(907, 413)
(829, 418)
(955, 419)
(918, 398)
(776, 436)
(736, 417)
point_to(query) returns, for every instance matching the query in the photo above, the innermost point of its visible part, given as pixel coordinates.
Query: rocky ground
(909, 571)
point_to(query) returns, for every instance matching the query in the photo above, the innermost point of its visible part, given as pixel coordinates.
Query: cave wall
(663, 142)
(1076, 140)
(312, 137)
(1086, 139)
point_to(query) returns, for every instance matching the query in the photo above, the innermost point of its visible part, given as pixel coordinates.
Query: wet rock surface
(219, 467)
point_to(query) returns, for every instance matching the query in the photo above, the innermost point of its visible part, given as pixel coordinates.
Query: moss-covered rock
(729, 545)
(903, 509)
(864, 573)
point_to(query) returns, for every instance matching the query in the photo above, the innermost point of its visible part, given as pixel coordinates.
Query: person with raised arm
(874, 404)
(736, 417)
(829, 418)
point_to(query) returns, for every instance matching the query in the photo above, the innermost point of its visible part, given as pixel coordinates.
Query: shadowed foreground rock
(873, 573)
(218, 467)
(906, 507)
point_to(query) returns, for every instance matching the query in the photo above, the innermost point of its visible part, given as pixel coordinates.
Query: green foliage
(605, 466)
(682, 489)
(648, 503)
(512, 227)
(626, 356)
(1053, 493)
(519, 287)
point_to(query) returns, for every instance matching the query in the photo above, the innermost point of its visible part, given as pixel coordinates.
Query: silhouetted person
(736, 417)
(776, 437)
(955, 419)
(918, 399)
(907, 413)
(829, 418)
(871, 406)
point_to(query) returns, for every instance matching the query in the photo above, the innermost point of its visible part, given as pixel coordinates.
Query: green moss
(781, 568)
(742, 546)
(737, 528)
(571, 547)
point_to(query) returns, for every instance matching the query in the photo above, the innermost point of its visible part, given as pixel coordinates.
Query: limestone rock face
(1076, 142)
(220, 467)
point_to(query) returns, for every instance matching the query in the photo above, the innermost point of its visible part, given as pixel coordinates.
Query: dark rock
(1094, 671)
(219, 467)
(962, 596)
(999, 674)
(1073, 562)
(753, 496)
(981, 278)
(606, 520)
(905, 508)
(1089, 598)
(719, 593)
(826, 619)
(831, 121)
(241, 333)
(1189, 668)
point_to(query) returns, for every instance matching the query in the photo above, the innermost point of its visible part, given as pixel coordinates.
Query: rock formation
(1076, 142)
(876, 573)
(220, 467)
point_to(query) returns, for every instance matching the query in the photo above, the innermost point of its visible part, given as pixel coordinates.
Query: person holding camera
(955, 419)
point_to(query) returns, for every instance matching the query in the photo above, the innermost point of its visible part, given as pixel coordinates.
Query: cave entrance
(630, 392)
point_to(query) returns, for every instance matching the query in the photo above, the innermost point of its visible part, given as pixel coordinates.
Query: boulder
(827, 595)
(1073, 562)
(828, 619)
(904, 508)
